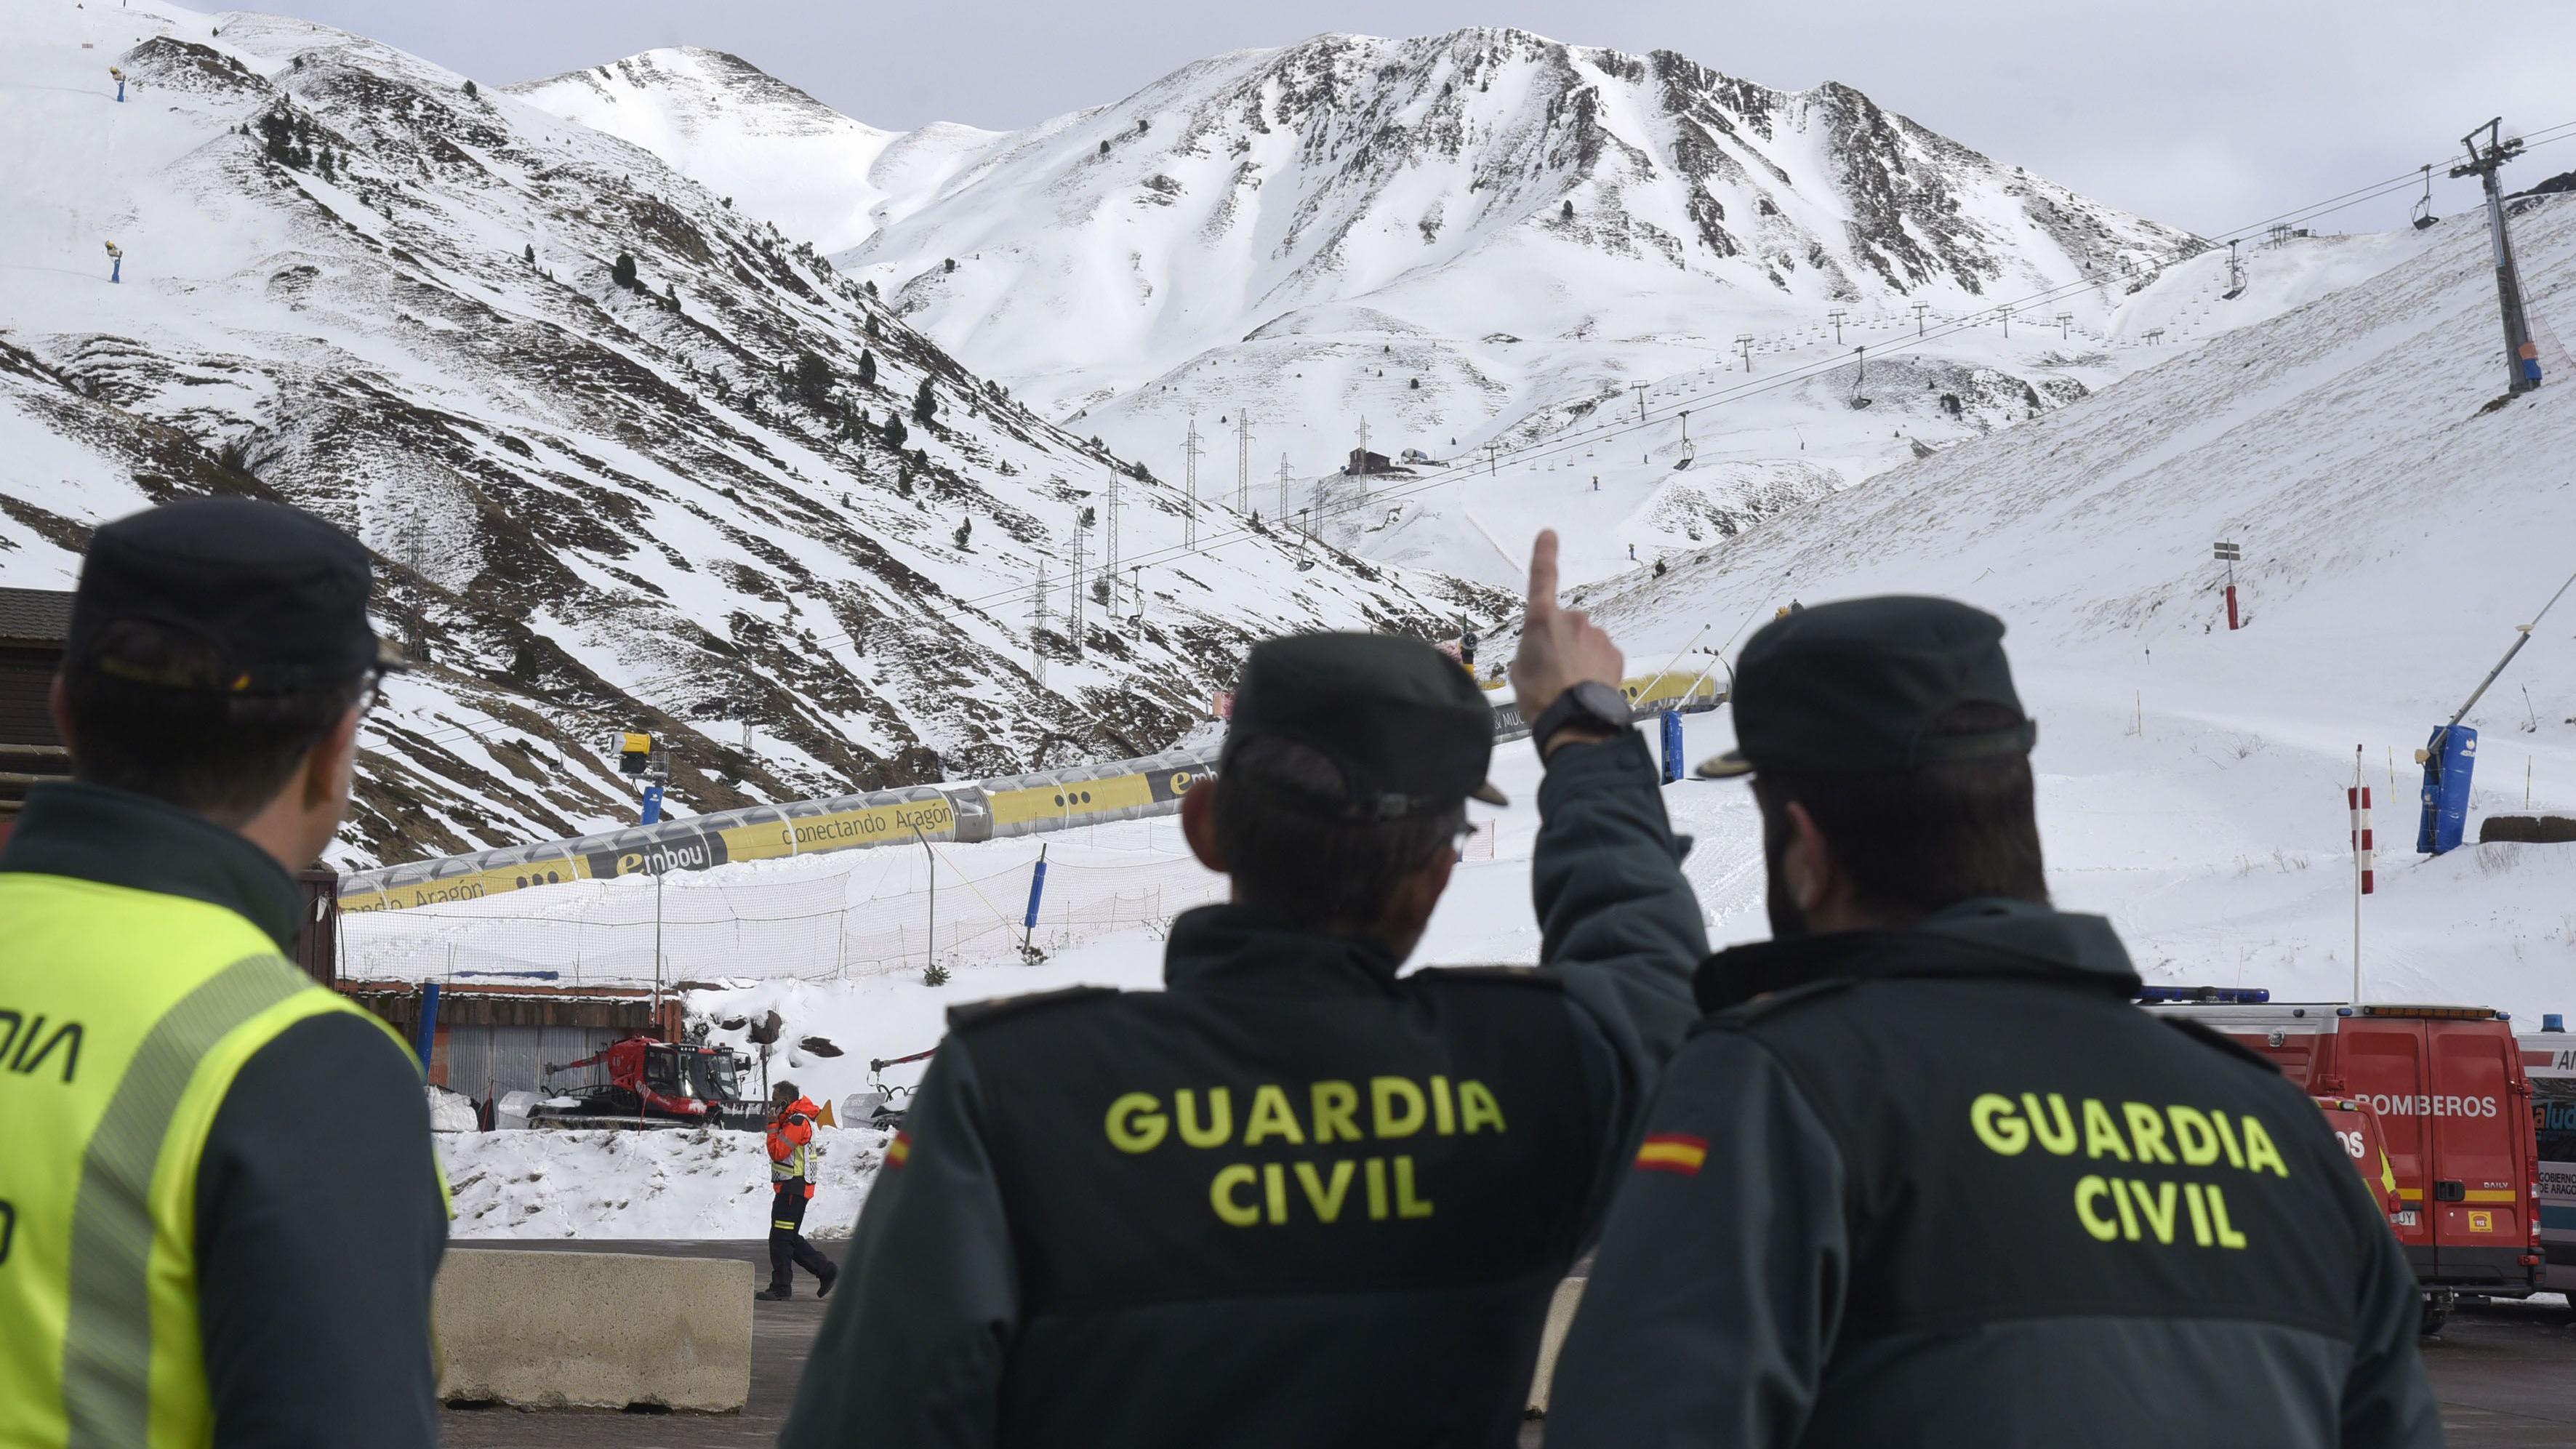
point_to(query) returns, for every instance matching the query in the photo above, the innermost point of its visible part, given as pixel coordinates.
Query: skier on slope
(119, 73)
(115, 262)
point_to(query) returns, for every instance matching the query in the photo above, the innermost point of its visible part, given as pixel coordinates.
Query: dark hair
(149, 715)
(1917, 842)
(1296, 859)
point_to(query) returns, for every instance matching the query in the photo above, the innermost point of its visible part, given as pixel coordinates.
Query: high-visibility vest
(797, 1161)
(788, 1157)
(124, 1017)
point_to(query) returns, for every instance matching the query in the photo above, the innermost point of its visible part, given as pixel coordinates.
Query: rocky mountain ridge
(631, 458)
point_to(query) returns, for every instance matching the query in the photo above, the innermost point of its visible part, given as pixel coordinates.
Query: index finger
(1542, 581)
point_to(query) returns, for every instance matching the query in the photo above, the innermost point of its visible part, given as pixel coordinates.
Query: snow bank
(643, 1183)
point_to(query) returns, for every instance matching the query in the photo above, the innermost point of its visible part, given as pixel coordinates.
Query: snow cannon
(2449, 759)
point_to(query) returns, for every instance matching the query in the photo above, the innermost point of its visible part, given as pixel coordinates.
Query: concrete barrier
(547, 1330)
(1560, 1316)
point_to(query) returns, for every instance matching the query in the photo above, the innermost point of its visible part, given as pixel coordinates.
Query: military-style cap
(280, 594)
(1409, 732)
(1859, 687)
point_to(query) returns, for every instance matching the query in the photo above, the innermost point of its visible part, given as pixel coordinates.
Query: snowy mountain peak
(1455, 189)
(769, 148)
(694, 90)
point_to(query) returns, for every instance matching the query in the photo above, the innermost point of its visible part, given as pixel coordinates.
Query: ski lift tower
(2235, 276)
(1744, 349)
(2521, 354)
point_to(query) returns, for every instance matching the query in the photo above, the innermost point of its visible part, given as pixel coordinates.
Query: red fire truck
(2454, 1105)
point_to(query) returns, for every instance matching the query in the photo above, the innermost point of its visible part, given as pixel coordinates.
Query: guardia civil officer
(1293, 1199)
(1924, 1175)
(219, 1215)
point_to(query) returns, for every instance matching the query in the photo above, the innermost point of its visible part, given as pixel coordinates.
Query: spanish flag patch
(1672, 1152)
(899, 1149)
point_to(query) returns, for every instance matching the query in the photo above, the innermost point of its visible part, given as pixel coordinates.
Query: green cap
(1405, 729)
(1860, 687)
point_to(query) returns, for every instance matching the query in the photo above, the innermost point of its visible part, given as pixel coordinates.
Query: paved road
(2506, 1373)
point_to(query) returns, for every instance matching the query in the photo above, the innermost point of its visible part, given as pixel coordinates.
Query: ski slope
(1801, 412)
(2394, 535)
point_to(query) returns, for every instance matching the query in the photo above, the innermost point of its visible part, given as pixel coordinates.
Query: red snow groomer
(640, 1082)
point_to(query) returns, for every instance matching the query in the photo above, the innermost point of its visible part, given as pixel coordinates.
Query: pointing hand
(1560, 648)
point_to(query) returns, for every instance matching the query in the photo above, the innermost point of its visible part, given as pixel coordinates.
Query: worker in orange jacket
(792, 1155)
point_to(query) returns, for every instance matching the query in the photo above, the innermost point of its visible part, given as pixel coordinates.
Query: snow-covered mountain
(777, 153)
(1443, 233)
(1432, 244)
(631, 458)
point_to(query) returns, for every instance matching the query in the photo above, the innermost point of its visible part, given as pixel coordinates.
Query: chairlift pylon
(2424, 216)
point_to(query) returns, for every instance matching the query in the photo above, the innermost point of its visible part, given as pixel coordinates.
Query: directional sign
(2225, 551)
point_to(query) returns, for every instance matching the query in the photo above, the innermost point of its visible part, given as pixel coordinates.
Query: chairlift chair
(2424, 216)
(1689, 452)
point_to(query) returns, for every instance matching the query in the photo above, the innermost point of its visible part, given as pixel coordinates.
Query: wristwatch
(1589, 705)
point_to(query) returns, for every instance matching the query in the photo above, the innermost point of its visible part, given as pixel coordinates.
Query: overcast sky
(2206, 115)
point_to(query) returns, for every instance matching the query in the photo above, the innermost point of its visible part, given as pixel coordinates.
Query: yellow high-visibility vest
(799, 1162)
(124, 1017)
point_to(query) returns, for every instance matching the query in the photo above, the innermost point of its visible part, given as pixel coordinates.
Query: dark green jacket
(1948, 1186)
(1293, 1199)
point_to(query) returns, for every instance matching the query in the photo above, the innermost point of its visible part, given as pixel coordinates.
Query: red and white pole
(2357, 801)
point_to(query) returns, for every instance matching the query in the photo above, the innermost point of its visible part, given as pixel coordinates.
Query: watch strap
(1571, 708)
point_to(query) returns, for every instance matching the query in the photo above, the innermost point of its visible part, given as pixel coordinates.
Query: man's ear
(1198, 822)
(332, 768)
(1808, 867)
